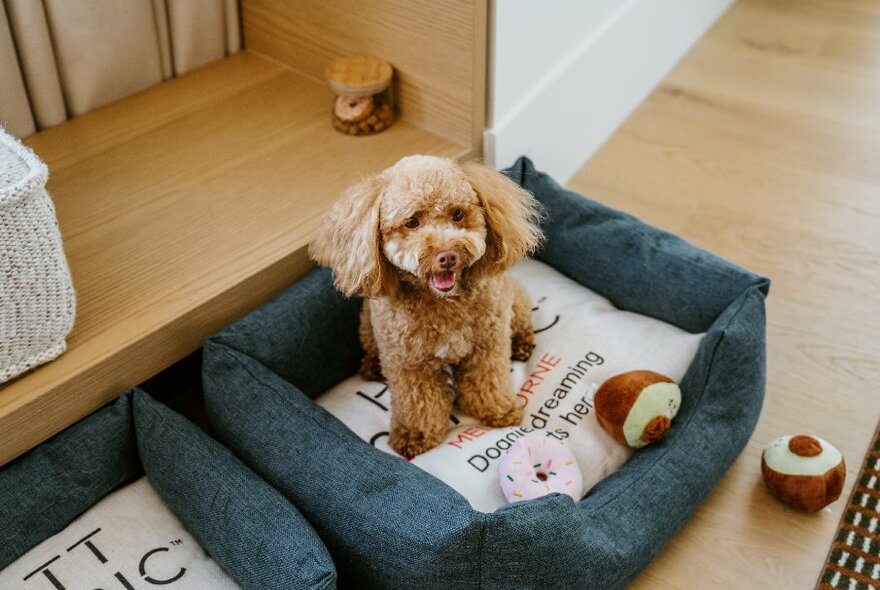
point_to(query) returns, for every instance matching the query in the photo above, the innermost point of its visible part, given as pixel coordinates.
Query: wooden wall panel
(438, 49)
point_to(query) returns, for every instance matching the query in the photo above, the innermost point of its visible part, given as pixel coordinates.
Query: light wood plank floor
(763, 145)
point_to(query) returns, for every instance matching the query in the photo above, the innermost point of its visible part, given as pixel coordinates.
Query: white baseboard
(581, 101)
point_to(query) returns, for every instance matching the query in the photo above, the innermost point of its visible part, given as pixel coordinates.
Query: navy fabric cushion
(42, 491)
(390, 525)
(636, 266)
(328, 350)
(239, 519)
(255, 534)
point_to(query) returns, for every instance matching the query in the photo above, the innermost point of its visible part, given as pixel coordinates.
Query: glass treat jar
(364, 102)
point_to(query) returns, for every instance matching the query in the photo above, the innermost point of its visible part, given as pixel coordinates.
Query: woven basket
(37, 301)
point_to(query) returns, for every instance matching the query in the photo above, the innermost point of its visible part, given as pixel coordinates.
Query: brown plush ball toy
(637, 407)
(805, 472)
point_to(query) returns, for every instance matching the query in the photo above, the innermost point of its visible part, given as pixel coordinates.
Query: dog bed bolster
(390, 525)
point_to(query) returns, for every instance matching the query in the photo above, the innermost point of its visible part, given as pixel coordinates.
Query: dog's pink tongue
(444, 281)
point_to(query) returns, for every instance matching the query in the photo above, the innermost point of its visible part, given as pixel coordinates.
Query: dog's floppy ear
(348, 242)
(512, 216)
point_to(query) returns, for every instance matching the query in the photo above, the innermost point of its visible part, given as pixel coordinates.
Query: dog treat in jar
(363, 104)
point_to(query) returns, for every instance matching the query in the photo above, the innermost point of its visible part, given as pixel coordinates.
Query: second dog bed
(70, 516)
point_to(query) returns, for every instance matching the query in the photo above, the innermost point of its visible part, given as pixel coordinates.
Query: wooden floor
(763, 145)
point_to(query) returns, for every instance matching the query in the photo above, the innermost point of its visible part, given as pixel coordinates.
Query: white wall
(564, 74)
(528, 39)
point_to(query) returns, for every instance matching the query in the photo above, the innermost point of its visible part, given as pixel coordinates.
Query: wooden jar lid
(358, 75)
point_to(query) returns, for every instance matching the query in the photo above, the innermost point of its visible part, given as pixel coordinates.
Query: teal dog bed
(245, 525)
(390, 525)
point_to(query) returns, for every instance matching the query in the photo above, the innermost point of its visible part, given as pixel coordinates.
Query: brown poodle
(427, 243)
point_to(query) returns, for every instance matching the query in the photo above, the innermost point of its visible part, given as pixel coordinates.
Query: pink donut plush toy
(537, 465)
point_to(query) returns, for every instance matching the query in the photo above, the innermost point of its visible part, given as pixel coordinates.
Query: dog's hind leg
(371, 368)
(523, 338)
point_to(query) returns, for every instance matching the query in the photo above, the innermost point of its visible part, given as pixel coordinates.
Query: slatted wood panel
(182, 208)
(437, 48)
(762, 145)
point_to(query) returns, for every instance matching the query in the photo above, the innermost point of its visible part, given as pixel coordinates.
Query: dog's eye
(411, 222)
(458, 215)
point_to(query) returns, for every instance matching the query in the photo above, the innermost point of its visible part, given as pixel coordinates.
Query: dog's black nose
(447, 258)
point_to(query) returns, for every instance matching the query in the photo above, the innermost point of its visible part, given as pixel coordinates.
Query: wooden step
(182, 208)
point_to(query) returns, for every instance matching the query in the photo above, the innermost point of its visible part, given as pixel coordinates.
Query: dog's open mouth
(444, 281)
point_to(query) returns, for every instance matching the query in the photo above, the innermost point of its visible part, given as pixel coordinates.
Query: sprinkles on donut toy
(537, 465)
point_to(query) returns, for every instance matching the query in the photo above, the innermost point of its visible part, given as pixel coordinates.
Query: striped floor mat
(854, 560)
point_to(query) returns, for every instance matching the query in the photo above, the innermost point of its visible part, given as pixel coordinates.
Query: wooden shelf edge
(84, 392)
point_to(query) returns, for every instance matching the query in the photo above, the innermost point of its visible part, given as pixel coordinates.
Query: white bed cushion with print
(129, 539)
(582, 340)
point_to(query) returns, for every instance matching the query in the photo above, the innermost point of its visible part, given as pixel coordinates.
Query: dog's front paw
(506, 415)
(522, 346)
(411, 442)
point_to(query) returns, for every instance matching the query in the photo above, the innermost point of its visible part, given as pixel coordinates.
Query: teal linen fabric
(254, 533)
(42, 491)
(249, 528)
(390, 525)
(387, 524)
